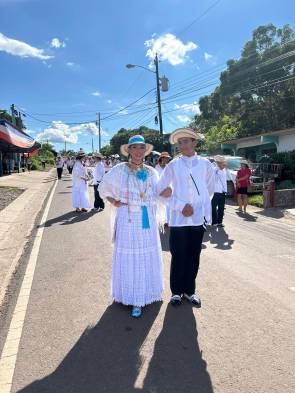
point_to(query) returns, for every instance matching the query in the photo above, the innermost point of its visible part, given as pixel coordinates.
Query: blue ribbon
(145, 218)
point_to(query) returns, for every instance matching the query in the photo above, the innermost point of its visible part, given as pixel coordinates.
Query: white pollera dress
(137, 274)
(80, 195)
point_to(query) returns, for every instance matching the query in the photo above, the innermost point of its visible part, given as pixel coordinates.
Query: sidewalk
(17, 220)
(278, 214)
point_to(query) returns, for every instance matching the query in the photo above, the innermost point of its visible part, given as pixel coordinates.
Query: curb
(7, 282)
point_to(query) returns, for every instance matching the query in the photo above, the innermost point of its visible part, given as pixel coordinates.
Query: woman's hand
(166, 193)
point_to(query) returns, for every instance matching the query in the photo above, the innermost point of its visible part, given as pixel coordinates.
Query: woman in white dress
(137, 276)
(80, 195)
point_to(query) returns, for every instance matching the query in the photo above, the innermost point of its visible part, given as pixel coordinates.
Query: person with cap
(80, 195)
(191, 179)
(130, 187)
(98, 174)
(221, 175)
(243, 182)
(163, 160)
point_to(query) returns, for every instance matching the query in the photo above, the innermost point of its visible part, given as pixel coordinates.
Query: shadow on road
(220, 238)
(70, 218)
(247, 216)
(107, 357)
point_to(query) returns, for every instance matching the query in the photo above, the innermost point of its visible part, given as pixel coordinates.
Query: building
(14, 143)
(253, 147)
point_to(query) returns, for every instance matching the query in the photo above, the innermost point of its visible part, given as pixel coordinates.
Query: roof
(287, 131)
(15, 140)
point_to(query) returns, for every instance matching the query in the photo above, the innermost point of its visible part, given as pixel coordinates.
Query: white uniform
(192, 182)
(80, 195)
(137, 277)
(98, 173)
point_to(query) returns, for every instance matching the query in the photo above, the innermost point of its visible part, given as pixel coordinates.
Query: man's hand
(188, 210)
(166, 193)
(119, 203)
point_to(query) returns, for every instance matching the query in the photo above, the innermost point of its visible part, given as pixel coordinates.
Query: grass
(256, 200)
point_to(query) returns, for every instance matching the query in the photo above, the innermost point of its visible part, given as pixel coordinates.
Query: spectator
(243, 181)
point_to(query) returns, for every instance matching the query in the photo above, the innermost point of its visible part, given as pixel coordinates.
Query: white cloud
(184, 118)
(70, 64)
(169, 48)
(57, 43)
(96, 93)
(209, 58)
(189, 108)
(59, 132)
(109, 101)
(21, 49)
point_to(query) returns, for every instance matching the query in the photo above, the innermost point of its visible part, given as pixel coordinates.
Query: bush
(285, 185)
(256, 200)
(288, 160)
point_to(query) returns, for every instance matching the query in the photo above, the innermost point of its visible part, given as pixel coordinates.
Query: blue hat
(136, 139)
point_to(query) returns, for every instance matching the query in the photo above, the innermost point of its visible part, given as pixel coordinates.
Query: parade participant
(218, 201)
(80, 196)
(191, 179)
(59, 166)
(162, 162)
(137, 277)
(70, 164)
(98, 174)
(242, 182)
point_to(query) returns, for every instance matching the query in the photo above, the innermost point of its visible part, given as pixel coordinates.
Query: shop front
(15, 145)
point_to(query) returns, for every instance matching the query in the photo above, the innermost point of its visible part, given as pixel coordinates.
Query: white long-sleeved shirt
(98, 173)
(196, 191)
(221, 178)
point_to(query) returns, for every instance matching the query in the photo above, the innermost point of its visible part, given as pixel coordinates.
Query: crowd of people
(186, 193)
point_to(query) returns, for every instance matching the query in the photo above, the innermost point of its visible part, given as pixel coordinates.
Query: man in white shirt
(98, 174)
(220, 190)
(191, 179)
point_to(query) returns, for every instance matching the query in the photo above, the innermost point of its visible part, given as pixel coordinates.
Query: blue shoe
(136, 312)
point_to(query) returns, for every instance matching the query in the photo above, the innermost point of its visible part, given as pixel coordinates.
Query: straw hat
(81, 153)
(165, 154)
(219, 159)
(98, 155)
(184, 133)
(136, 139)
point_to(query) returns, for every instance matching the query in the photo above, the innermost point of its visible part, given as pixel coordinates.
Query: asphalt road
(75, 340)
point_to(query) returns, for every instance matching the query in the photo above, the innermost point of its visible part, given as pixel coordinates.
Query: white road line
(10, 349)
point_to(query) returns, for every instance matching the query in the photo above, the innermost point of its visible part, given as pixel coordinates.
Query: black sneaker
(194, 299)
(175, 300)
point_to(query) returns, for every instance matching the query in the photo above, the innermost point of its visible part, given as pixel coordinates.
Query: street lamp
(156, 72)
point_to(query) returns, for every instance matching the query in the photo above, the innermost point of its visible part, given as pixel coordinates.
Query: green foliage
(46, 151)
(107, 150)
(288, 160)
(150, 135)
(256, 200)
(225, 128)
(249, 92)
(6, 116)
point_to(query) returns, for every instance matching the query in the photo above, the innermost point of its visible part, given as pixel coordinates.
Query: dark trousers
(98, 202)
(59, 172)
(185, 248)
(70, 169)
(218, 203)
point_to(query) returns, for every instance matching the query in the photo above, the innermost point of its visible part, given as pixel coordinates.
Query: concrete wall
(286, 143)
(284, 198)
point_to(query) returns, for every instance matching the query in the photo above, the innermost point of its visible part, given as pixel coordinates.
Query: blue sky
(63, 61)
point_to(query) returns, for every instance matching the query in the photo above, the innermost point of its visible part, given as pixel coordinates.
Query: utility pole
(65, 147)
(99, 132)
(156, 61)
(12, 108)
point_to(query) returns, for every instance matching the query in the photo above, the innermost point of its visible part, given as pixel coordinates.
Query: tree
(151, 136)
(256, 91)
